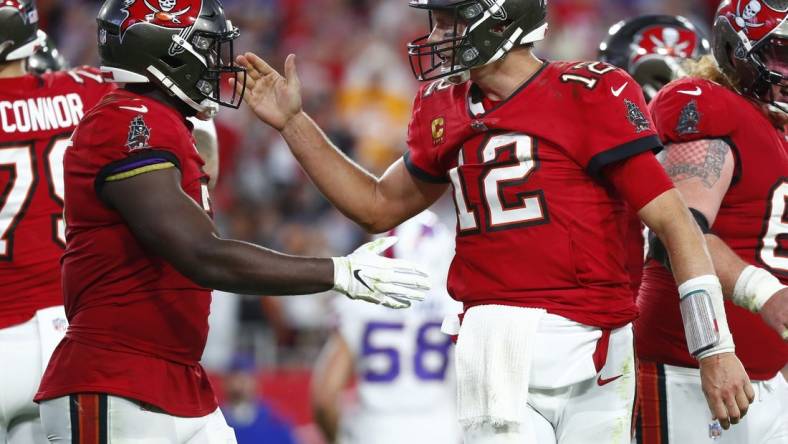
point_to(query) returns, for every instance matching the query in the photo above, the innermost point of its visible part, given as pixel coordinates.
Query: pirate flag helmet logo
(177, 14)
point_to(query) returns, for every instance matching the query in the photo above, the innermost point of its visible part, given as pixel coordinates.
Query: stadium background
(358, 86)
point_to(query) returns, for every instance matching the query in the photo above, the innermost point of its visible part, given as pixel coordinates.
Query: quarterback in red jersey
(142, 251)
(38, 112)
(541, 157)
(726, 151)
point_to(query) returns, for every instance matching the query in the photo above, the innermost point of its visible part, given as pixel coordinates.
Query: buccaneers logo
(665, 41)
(756, 18)
(176, 14)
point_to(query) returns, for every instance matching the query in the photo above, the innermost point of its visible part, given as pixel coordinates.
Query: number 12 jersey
(537, 223)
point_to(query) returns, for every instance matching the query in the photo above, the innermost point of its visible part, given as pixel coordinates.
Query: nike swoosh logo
(695, 93)
(601, 381)
(138, 109)
(357, 275)
(617, 92)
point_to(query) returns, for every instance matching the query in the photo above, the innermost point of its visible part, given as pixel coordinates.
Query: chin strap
(778, 107)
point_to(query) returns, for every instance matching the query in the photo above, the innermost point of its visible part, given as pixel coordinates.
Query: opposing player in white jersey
(400, 360)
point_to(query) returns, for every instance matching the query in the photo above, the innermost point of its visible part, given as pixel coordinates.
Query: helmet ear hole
(501, 28)
(172, 62)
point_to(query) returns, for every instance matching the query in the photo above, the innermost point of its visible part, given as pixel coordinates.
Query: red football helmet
(750, 43)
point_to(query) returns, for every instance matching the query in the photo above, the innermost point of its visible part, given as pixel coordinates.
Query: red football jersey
(137, 326)
(37, 116)
(537, 226)
(751, 220)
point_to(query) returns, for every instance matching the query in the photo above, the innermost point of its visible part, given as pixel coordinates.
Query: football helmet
(18, 29)
(185, 47)
(750, 44)
(47, 58)
(651, 48)
(491, 29)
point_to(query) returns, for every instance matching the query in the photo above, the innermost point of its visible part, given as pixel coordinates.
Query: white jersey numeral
(500, 214)
(529, 208)
(22, 180)
(466, 218)
(18, 161)
(589, 82)
(596, 68)
(777, 227)
(54, 160)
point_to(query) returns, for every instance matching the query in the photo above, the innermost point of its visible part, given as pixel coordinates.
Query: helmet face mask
(217, 53)
(185, 47)
(482, 32)
(430, 60)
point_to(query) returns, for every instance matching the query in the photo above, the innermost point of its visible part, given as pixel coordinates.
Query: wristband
(703, 314)
(754, 287)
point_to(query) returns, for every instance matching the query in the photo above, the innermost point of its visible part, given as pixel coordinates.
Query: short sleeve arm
(613, 122)
(638, 179)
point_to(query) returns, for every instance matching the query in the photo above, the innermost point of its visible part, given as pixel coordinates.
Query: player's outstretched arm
(331, 375)
(377, 204)
(702, 171)
(170, 224)
(725, 383)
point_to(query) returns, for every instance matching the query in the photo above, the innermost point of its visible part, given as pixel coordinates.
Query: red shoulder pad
(691, 109)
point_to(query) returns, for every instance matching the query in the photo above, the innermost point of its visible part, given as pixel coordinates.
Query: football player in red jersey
(38, 112)
(541, 157)
(726, 151)
(651, 49)
(142, 251)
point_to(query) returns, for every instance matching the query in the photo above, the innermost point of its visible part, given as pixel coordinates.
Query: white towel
(493, 358)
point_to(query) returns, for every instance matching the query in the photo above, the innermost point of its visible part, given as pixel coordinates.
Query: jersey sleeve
(421, 159)
(125, 143)
(692, 109)
(627, 176)
(612, 120)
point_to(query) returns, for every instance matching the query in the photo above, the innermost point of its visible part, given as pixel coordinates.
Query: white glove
(365, 275)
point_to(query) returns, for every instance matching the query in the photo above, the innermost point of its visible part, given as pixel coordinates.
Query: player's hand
(365, 275)
(274, 98)
(775, 313)
(727, 388)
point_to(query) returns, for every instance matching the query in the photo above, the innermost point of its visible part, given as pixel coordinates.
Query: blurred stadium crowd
(359, 87)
